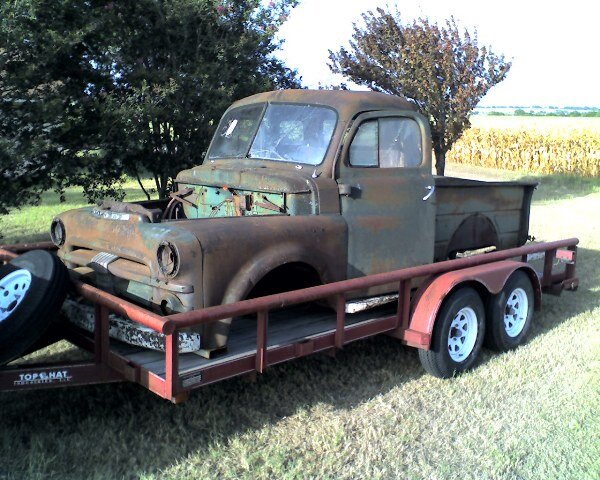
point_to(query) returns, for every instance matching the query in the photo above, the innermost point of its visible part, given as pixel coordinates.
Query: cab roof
(347, 103)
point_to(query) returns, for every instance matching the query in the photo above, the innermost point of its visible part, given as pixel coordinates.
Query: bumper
(127, 330)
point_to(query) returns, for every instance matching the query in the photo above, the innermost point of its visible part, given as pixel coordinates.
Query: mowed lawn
(372, 412)
(33, 223)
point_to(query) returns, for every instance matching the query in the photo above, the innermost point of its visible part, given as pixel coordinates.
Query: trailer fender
(430, 295)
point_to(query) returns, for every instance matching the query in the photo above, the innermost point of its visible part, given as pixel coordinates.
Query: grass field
(32, 223)
(369, 413)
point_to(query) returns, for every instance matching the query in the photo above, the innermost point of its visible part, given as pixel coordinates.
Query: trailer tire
(457, 335)
(41, 281)
(510, 313)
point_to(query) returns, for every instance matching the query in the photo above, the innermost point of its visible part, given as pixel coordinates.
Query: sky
(553, 45)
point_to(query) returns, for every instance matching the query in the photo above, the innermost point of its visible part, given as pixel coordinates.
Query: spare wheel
(33, 287)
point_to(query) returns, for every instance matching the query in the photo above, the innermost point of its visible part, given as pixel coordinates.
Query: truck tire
(457, 335)
(33, 287)
(510, 313)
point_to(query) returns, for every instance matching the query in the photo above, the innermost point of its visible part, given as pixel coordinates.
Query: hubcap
(13, 288)
(462, 334)
(515, 313)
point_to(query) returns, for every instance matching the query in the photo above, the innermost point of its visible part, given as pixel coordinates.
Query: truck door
(387, 193)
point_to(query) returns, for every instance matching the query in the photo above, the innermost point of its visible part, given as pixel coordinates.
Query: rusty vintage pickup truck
(297, 188)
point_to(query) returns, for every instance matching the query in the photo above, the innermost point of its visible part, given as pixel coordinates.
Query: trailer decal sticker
(34, 378)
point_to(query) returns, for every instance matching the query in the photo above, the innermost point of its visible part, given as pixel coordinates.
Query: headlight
(57, 232)
(168, 259)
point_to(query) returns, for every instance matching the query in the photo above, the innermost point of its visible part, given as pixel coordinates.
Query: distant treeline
(519, 112)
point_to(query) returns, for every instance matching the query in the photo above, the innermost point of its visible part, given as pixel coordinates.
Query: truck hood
(127, 235)
(244, 177)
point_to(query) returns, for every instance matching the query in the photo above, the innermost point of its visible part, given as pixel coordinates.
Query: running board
(363, 304)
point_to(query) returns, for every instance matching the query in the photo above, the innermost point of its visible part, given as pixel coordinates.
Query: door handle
(430, 189)
(344, 189)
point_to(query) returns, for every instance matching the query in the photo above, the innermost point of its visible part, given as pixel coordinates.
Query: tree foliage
(91, 91)
(47, 88)
(441, 69)
(180, 65)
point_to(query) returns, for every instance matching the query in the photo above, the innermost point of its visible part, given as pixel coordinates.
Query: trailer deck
(268, 330)
(288, 326)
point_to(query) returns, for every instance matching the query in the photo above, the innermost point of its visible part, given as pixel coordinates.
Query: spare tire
(33, 287)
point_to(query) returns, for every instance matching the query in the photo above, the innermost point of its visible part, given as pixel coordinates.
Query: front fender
(240, 251)
(251, 272)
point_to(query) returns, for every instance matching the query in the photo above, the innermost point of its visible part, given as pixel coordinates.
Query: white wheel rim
(462, 334)
(13, 288)
(515, 312)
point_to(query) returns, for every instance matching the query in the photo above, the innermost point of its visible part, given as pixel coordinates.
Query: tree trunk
(162, 185)
(440, 161)
(158, 186)
(137, 176)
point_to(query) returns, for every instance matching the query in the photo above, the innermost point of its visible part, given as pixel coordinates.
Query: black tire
(438, 360)
(503, 336)
(41, 303)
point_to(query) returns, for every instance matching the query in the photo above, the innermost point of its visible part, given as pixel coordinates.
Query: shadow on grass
(32, 238)
(80, 430)
(560, 187)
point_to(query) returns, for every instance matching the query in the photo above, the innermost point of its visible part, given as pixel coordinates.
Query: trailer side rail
(175, 385)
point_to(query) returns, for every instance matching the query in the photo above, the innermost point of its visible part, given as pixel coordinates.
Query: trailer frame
(108, 365)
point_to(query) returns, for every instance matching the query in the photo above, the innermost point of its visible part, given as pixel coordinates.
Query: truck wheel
(457, 336)
(510, 313)
(33, 287)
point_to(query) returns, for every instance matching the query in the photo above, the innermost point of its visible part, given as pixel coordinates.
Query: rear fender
(429, 297)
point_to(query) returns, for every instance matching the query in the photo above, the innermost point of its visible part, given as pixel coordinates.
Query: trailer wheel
(33, 287)
(510, 313)
(457, 336)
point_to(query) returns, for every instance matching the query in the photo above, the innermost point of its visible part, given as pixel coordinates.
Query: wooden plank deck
(286, 326)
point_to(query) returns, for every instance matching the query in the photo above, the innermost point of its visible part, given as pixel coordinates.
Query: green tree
(48, 83)
(95, 90)
(21, 182)
(442, 70)
(178, 67)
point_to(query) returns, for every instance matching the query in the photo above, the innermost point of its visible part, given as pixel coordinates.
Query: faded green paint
(244, 217)
(213, 202)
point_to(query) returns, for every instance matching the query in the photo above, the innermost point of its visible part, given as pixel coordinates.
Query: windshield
(286, 133)
(235, 132)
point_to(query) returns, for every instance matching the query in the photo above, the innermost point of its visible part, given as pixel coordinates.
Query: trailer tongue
(267, 335)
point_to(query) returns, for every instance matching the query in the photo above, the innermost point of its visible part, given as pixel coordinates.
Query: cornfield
(575, 152)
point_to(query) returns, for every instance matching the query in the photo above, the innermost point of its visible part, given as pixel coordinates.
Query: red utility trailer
(494, 292)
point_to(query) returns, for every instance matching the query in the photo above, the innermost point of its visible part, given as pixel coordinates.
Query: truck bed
(473, 214)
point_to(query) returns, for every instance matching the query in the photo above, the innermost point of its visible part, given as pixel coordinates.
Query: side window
(363, 150)
(389, 142)
(399, 143)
